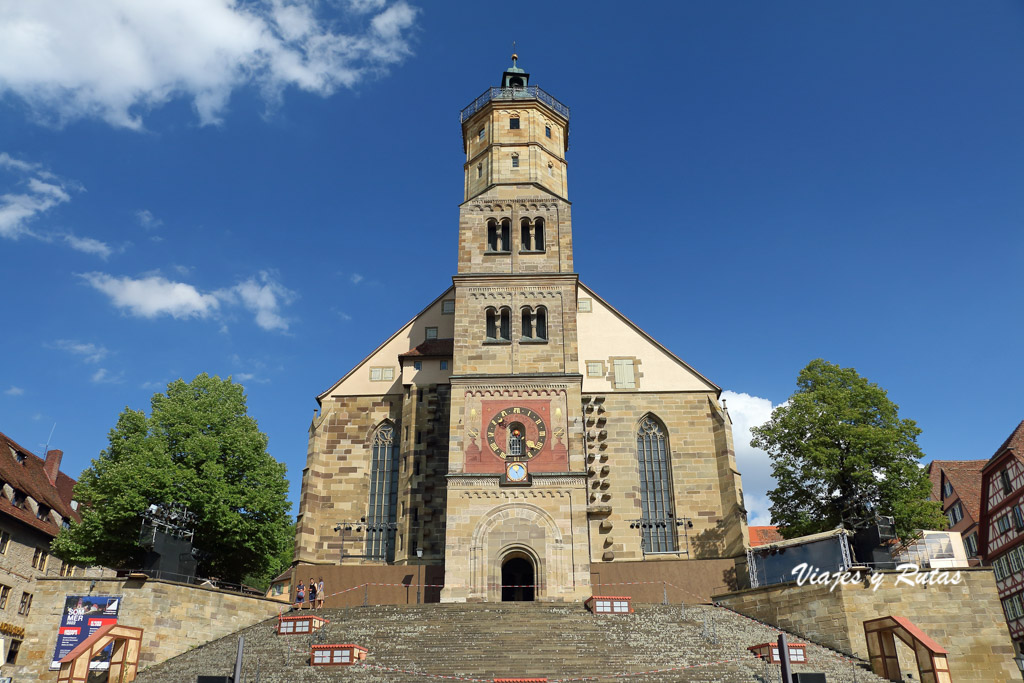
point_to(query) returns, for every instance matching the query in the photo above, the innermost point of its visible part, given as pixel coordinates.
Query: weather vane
(514, 55)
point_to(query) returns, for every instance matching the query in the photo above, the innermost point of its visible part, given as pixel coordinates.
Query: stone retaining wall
(175, 617)
(966, 618)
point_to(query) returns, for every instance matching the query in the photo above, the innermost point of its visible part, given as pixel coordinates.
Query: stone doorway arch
(518, 578)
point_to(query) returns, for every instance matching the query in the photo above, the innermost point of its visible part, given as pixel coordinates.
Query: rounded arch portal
(518, 577)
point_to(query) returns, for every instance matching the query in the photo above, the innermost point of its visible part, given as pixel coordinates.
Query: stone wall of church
(336, 481)
(704, 477)
(474, 254)
(422, 491)
(489, 156)
(474, 355)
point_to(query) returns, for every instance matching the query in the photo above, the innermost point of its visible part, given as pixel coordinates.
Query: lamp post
(419, 570)
(661, 523)
(344, 528)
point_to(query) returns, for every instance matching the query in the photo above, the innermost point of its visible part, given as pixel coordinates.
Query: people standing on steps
(300, 595)
(312, 593)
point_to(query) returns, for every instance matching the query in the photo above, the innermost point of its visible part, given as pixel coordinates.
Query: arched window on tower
(492, 323)
(535, 324)
(525, 231)
(505, 243)
(380, 521)
(492, 235)
(657, 514)
(538, 234)
(505, 324)
(498, 324)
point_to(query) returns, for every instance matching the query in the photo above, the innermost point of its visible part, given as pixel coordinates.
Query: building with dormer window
(35, 503)
(957, 485)
(1002, 528)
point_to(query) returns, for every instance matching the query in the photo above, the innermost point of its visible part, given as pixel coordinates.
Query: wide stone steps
(485, 641)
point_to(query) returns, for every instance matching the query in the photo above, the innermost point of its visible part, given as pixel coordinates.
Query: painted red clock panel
(517, 430)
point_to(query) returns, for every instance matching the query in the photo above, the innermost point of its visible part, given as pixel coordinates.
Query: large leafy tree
(198, 447)
(841, 454)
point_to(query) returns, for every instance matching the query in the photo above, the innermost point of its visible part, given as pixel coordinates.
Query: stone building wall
(336, 481)
(474, 256)
(474, 354)
(175, 617)
(966, 618)
(705, 481)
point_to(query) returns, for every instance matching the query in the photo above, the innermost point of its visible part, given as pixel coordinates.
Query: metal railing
(531, 92)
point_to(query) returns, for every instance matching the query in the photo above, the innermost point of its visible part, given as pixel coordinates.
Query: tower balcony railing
(530, 92)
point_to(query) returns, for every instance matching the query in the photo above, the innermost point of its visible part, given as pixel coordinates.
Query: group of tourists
(316, 594)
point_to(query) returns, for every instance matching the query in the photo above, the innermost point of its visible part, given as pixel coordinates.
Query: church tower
(517, 477)
(520, 434)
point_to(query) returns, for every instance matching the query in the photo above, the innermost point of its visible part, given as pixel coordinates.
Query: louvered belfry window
(659, 529)
(380, 532)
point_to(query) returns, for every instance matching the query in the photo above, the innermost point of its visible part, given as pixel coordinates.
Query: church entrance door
(517, 580)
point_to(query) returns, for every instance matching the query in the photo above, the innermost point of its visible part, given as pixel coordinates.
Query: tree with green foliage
(841, 454)
(198, 447)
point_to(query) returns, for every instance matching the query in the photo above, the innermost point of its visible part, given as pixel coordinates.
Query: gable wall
(604, 335)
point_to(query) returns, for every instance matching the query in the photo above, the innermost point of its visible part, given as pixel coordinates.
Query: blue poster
(82, 616)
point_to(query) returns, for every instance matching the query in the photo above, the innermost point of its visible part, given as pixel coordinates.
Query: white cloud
(262, 296)
(103, 376)
(147, 220)
(364, 6)
(91, 353)
(754, 465)
(153, 296)
(89, 246)
(39, 192)
(15, 391)
(356, 278)
(117, 59)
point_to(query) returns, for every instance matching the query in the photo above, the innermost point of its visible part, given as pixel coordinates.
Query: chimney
(52, 465)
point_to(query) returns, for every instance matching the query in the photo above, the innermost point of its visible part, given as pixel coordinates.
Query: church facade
(519, 431)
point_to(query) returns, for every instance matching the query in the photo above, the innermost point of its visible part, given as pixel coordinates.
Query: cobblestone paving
(479, 642)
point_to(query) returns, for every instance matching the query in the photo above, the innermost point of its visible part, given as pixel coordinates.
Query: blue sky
(269, 189)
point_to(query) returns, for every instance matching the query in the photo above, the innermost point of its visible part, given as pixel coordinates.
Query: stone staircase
(484, 641)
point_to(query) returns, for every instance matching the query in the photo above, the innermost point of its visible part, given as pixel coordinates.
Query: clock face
(510, 434)
(515, 471)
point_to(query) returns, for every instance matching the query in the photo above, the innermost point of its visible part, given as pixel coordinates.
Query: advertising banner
(82, 616)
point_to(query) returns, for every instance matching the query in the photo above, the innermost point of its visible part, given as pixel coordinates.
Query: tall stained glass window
(659, 529)
(380, 532)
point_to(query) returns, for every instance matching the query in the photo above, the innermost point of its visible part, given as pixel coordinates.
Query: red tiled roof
(30, 478)
(1014, 441)
(964, 476)
(763, 535)
(433, 348)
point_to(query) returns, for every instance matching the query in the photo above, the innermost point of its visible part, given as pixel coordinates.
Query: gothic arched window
(659, 529)
(380, 522)
(524, 233)
(538, 234)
